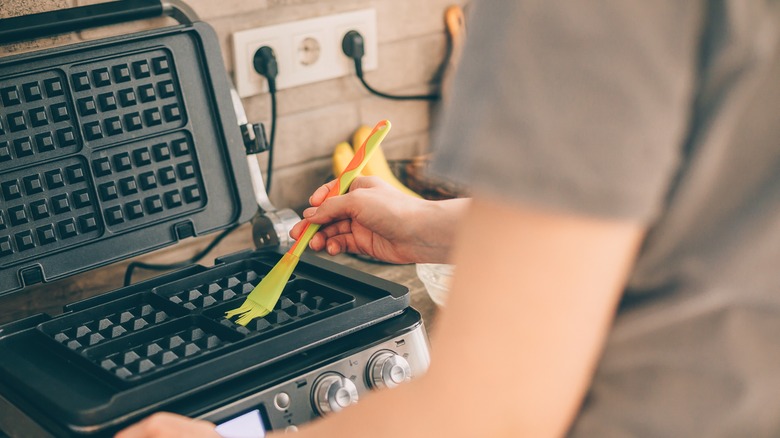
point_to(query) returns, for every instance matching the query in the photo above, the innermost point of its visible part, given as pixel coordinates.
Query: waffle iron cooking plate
(113, 148)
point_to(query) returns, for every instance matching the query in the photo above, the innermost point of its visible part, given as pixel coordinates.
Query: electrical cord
(270, 169)
(265, 64)
(167, 267)
(353, 46)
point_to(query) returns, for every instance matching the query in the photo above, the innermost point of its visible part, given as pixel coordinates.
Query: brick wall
(313, 118)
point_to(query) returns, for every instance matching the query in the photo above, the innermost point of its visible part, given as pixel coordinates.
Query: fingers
(336, 228)
(335, 246)
(297, 229)
(319, 240)
(335, 209)
(164, 425)
(336, 238)
(342, 243)
(310, 216)
(366, 182)
(319, 195)
(361, 182)
(341, 226)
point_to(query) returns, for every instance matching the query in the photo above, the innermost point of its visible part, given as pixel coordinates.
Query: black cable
(359, 74)
(271, 141)
(352, 46)
(432, 97)
(264, 62)
(167, 267)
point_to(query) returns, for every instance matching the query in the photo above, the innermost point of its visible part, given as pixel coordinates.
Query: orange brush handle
(345, 179)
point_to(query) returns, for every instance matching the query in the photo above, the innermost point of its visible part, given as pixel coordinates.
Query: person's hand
(377, 220)
(165, 425)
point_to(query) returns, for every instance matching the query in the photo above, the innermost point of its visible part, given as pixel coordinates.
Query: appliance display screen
(248, 425)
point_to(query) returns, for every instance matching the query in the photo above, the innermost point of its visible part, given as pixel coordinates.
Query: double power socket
(306, 51)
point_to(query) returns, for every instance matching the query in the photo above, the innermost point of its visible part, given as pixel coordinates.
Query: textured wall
(313, 118)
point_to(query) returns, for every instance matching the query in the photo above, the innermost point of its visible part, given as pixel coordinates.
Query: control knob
(333, 392)
(388, 370)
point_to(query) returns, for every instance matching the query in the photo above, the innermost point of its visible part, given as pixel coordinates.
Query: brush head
(263, 298)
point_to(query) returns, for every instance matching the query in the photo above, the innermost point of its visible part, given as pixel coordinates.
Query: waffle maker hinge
(270, 226)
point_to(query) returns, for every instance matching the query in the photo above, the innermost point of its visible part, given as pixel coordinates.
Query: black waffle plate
(168, 336)
(110, 321)
(137, 337)
(113, 148)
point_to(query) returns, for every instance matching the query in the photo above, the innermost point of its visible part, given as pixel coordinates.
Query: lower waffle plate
(168, 336)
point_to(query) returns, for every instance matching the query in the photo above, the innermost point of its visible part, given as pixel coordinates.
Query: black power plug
(264, 62)
(353, 46)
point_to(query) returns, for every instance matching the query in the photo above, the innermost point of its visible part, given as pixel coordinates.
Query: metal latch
(255, 140)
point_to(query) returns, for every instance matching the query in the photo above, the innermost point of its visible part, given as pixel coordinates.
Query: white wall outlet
(306, 51)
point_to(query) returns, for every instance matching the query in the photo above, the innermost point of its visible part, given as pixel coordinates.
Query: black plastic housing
(127, 352)
(113, 148)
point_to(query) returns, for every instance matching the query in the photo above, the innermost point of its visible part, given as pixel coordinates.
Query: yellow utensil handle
(345, 179)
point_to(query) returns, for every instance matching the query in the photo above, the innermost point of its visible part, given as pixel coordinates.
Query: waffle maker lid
(115, 147)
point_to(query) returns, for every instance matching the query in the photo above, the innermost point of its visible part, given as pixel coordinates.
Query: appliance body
(336, 334)
(120, 146)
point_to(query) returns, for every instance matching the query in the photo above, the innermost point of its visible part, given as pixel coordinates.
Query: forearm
(531, 312)
(517, 343)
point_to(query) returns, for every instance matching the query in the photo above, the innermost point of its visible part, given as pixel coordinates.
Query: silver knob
(333, 392)
(388, 370)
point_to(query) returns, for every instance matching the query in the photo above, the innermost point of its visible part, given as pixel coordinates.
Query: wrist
(434, 228)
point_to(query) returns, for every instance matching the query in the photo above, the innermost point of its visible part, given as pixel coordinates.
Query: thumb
(321, 193)
(361, 182)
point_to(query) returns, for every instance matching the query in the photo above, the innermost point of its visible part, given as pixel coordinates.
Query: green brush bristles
(263, 298)
(248, 311)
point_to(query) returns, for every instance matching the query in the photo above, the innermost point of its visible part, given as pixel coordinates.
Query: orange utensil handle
(455, 20)
(345, 179)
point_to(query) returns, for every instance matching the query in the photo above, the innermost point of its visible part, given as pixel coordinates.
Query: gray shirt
(665, 112)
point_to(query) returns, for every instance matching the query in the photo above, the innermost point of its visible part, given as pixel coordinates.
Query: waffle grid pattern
(89, 332)
(301, 300)
(183, 321)
(122, 97)
(36, 119)
(138, 184)
(93, 147)
(214, 292)
(44, 208)
(163, 352)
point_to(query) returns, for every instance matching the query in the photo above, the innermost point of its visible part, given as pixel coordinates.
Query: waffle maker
(119, 146)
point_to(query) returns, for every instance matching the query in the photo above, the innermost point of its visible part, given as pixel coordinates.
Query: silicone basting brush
(264, 296)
